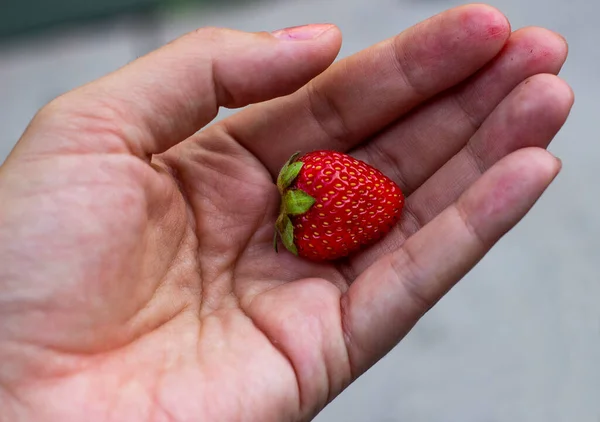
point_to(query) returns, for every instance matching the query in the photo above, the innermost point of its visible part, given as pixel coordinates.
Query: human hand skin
(138, 278)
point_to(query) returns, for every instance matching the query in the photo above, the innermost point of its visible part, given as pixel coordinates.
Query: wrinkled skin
(138, 280)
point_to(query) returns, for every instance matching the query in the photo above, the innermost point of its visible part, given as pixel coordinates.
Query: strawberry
(333, 205)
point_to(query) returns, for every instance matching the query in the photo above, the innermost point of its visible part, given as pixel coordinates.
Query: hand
(138, 279)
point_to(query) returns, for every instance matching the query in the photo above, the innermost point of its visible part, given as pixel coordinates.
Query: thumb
(164, 97)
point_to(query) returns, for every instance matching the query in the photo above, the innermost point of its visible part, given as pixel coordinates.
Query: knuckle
(407, 67)
(72, 115)
(51, 113)
(410, 276)
(326, 113)
(473, 231)
(210, 33)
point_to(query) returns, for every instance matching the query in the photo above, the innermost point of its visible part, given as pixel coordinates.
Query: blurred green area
(19, 17)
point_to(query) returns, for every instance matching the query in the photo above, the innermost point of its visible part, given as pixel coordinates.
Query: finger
(529, 117)
(416, 147)
(166, 96)
(387, 300)
(364, 93)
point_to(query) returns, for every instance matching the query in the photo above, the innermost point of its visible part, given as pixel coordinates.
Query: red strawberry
(333, 205)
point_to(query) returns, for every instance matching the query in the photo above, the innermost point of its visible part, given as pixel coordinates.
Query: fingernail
(305, 32)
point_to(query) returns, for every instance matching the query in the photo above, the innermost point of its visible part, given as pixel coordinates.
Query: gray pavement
(519, 338)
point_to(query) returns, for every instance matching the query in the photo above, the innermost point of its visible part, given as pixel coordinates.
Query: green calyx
(288, 173)
(294, 202)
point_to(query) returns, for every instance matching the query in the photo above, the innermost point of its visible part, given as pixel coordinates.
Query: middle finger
(414, 148)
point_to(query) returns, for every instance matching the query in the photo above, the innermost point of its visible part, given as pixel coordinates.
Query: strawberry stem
(293, 202)
(285, 229)
(288, 173)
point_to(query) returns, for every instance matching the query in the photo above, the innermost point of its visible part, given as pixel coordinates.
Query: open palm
(139, 280)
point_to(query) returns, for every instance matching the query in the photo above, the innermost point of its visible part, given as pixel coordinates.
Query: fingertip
(334, 36)
(506, 192)
(538, 168)
(537, 109)
(303, 32)
(531, 168)
(565, 42)
(448, 48)
(324, 38)
(559, 164)
(541, 164)
(541, 46)
(486, 20)
(568, 93)
(552, 94)
(329, 40)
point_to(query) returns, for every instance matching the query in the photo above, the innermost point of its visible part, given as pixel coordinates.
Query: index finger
(361, 95)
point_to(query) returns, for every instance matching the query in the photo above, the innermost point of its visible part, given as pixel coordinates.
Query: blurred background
(519, 338)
